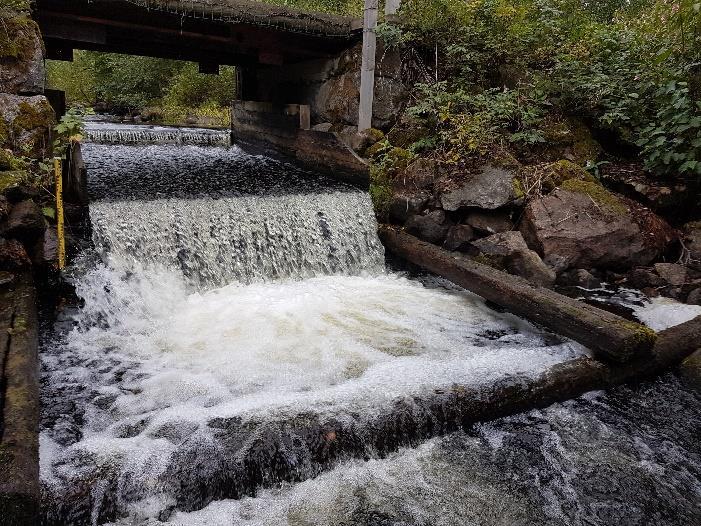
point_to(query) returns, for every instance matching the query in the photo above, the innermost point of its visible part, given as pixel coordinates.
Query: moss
(519, 191)
(602, 197)
(4, 132)
(376, 135)
(397, 159)
(375, 150)
(643, 337)
(17, 37)
(561, 171)
(32, 116)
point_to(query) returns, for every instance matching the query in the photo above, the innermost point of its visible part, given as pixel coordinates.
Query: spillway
(244, 355)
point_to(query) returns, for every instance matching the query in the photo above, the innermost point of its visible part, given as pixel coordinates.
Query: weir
(240, 330)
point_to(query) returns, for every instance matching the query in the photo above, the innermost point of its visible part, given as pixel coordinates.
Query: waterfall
(239, 329)
(106, 133)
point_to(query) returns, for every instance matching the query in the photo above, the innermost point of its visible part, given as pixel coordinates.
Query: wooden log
(609, 336)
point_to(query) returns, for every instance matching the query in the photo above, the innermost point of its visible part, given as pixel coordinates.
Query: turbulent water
(240, 332)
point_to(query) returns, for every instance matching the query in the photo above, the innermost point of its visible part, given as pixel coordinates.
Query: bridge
(211, 32)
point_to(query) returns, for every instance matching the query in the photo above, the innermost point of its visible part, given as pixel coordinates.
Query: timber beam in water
(611, 337)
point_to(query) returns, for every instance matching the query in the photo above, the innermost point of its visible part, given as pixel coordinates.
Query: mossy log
(609, 336)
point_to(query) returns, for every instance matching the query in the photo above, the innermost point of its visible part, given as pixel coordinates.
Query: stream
(244, 355)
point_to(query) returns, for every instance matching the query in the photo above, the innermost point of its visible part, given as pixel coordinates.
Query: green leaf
(49, 212)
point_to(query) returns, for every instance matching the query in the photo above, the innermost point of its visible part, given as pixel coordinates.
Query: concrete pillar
(392, 6)
(367, 73)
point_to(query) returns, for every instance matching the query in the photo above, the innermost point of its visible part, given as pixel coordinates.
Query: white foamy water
(663, 313)
(108, 133)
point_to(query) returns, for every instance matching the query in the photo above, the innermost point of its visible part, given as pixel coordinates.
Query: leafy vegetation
(124, 84)
(499, 73)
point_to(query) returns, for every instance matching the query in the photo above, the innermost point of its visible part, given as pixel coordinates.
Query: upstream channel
(237, 312)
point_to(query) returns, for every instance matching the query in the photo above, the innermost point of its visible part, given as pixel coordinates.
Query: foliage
(126, 84)
(340, 7)
(69, 130)
(502, 67)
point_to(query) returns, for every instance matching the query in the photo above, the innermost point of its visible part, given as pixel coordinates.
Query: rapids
(237, 312)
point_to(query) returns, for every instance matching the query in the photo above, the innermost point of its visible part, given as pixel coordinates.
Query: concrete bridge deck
(232, 32)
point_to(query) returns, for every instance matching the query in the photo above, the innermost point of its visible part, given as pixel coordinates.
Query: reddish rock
(672, 273)
(575, 229)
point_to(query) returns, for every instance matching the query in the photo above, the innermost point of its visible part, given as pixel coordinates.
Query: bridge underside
(208, 34)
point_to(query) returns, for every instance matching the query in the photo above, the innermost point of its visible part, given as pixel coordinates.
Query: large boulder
(492, 187)
(509, 251)
(582, 225)
(21, 55)
(431, 227)
(26, 124)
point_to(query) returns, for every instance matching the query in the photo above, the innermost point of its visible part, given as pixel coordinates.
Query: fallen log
(609, 336)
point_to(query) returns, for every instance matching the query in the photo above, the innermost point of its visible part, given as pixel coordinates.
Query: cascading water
(239, 331)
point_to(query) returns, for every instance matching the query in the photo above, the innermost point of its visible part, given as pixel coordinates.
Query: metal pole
(60, 232)
(367, 73)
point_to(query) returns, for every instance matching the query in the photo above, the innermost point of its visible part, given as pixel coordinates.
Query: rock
(490, 222)
(12, 185)
(431, 227)
(334, 93)
(644, 278)
(493, 187)
(13, 256)
(579, 278)
(25, 222)
(459, 237)
(360, 141)
(582, 225)
(509, 251)
(673, 274)
(46, 247)
(21, 56)
(323, 127)
(694, 297)
(690, 371)
(692, 241)
(26, 124)
(403, 206)
(670, 195)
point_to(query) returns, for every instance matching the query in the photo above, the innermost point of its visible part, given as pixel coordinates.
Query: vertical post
(60, 232)
(367, 73)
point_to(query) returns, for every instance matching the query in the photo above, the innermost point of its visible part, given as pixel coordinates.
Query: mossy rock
(17, 37)
(564, 170)
(571, 138)
(607, 201)
(8, 161)
(26, 124)
(406, 132)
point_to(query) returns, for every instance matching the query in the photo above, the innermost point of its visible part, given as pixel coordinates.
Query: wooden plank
(609, 336)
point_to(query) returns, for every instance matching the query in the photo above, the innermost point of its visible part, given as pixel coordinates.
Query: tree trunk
(609, 336)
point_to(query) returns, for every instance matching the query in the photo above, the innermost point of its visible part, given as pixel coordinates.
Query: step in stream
(244, 356)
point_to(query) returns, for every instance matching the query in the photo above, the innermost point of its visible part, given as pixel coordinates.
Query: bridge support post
(367, 73)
